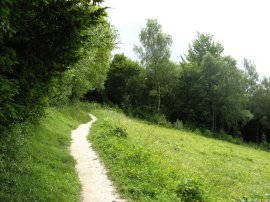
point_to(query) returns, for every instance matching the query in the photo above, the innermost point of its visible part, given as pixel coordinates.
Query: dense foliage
(51, 52)
(90, 71)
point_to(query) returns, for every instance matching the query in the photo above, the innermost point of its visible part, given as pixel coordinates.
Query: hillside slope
(43, 169)
(158, 164)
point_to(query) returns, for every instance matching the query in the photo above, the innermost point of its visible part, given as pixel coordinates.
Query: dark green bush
(207, 133)
(189, 190)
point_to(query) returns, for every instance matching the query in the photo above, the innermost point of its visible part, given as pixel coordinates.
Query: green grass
(151, 163)
(147, 162)
(44, 169)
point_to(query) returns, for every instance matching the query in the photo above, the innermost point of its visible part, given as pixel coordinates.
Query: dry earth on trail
(96, 187)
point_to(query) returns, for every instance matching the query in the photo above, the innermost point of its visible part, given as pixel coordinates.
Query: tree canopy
(154, 53)
(39, 40)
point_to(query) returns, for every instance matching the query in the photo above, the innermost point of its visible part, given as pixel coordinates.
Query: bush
(190, 126)
(197, 131)
(178, 125)
(264, 143)
(118, 131)
(207, 133)
(221, 135)
(160, 119)
(189, 190)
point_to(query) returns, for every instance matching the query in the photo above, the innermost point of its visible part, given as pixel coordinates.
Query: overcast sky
(241, 26)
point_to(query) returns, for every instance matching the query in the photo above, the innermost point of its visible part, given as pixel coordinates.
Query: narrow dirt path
(96, 187)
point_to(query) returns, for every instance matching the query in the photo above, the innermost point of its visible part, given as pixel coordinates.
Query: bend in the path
(96, 187)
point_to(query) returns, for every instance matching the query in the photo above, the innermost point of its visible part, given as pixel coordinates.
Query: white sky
(241, 26)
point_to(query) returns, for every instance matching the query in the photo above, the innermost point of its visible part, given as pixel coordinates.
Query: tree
(232, 99)
(211, 88)
(252, 76)
(210, 84)
(39, 40)
(125, 85)
(259, 105)
(154, 53)
(90, 72)
(197, 88)
(8, 87)
(200, 46)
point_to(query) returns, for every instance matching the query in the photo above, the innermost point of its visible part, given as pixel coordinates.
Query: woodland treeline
(205, 90)
(57, 52)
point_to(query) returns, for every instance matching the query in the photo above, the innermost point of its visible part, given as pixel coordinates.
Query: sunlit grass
(148, 164)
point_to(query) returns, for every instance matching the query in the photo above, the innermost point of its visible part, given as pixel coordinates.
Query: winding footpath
(96, 187)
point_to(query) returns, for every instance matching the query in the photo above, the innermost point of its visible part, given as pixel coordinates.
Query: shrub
(189, 190)
(178, 125)
(190, 126)
(264, 143)
(207, 133)
(160, 119)
(197, 131)
(118, 131)
(222, 135)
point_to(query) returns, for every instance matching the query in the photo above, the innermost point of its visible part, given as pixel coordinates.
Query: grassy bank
(43, 169)
(151, 163)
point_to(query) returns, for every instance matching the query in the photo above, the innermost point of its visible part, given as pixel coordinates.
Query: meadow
(152, 163)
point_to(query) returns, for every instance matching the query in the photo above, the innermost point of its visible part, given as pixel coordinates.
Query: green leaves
(125, 84)
(200, 46)
(39, 40)
(154, 54)
(211, 87)
(155, 45)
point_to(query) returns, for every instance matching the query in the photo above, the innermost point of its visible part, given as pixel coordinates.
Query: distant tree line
(206, 89)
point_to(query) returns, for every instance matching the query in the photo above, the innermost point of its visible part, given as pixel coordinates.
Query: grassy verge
(151, 163)
(43, 169)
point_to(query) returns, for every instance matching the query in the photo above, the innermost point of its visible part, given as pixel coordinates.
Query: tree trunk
(213, 118)
(159, 99)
